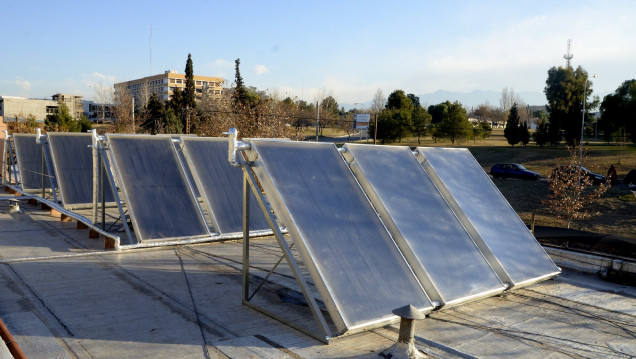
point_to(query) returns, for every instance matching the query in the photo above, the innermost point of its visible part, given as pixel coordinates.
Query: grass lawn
(615, 211)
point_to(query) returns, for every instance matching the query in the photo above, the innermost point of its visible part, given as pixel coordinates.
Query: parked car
(513, 170)
(595, 177)
(630, 178)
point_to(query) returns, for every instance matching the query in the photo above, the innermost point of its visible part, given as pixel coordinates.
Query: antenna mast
(569, 55)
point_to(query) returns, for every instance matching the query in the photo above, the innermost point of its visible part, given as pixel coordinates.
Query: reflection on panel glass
(426, 228)
(73, 162)
(488, 211)
(221, 184)
(351, 257)
(29, 155)
(158, 196)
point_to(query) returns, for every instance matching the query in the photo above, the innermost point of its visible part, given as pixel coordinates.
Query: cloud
(260, 70)
(223, 63)
(21, 84)
(101, 76)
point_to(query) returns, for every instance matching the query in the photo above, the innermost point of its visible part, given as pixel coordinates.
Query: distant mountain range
(469, 99)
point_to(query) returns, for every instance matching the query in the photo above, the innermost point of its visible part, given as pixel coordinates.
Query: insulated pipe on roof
(39, 136)
(234, 146)
(13, 347)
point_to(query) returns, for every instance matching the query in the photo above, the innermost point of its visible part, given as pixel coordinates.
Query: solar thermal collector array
(377, 227)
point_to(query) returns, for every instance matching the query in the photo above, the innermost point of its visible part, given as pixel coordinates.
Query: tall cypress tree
(511, 132)
(189, 98)
(240, 93)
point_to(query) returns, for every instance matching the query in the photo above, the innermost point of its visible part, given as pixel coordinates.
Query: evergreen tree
(541, 135)
(511, 132)
(170, 123)
(524, 134)
(564, 92)
(240, 95)
(63, 121)
(153, 115)
(177, 101)
(421, 119)
(189, 95)
(455, 124)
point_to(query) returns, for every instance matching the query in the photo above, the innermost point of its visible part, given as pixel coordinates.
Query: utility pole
(317, 119)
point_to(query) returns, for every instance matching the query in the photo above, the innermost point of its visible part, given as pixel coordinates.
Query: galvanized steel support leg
(311, 301)
(246, 238)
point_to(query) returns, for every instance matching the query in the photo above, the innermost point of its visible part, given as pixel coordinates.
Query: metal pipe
(71, 214)
(13, 347)
(234, 147)
(96, 163)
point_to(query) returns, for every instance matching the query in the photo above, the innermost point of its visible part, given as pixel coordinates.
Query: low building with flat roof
(14, 109)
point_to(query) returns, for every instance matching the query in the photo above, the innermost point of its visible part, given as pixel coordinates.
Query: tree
(63, 121)
(414, 100)
(123, 112)
(508, 99)
(438, 112)
(398, 100)
(378, 102)
(189, 95)
(455, 124)
(240, 95)
(570, 190)
(524, 134)
(618, 112)
(511, 131)
(170, 123)
(541, 136)
(27, 125)
(176, 101)
(485, 129)
(564, 92)
(421, 120)
(153, 115)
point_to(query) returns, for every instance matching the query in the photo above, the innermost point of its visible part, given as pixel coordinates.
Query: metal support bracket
(249, 183)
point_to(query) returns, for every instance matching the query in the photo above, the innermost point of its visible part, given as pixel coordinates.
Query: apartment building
(164, 85)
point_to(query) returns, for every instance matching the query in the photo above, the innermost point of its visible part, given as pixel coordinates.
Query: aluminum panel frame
(30, 158)
(358, 270)
(484, 211)
(3, 161)
(220, 184)
(161, 204)
(75, 178)
(442, 254)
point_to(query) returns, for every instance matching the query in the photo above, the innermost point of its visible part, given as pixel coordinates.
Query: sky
(308, 50)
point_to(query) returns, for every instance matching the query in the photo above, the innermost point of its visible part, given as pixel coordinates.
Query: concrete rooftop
(63, 296)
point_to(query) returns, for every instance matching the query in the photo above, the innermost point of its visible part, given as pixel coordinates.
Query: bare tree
(571, 190)
(123, 112)
(144, 95)
(28, 124)
(267, 119)
(378, 102)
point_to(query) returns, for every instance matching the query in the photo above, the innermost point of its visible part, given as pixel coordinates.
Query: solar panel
(72, 159)
(488, 212)
(440, 251)
(158, 197)
(357, 268)
(221, 184)
(29, 155)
